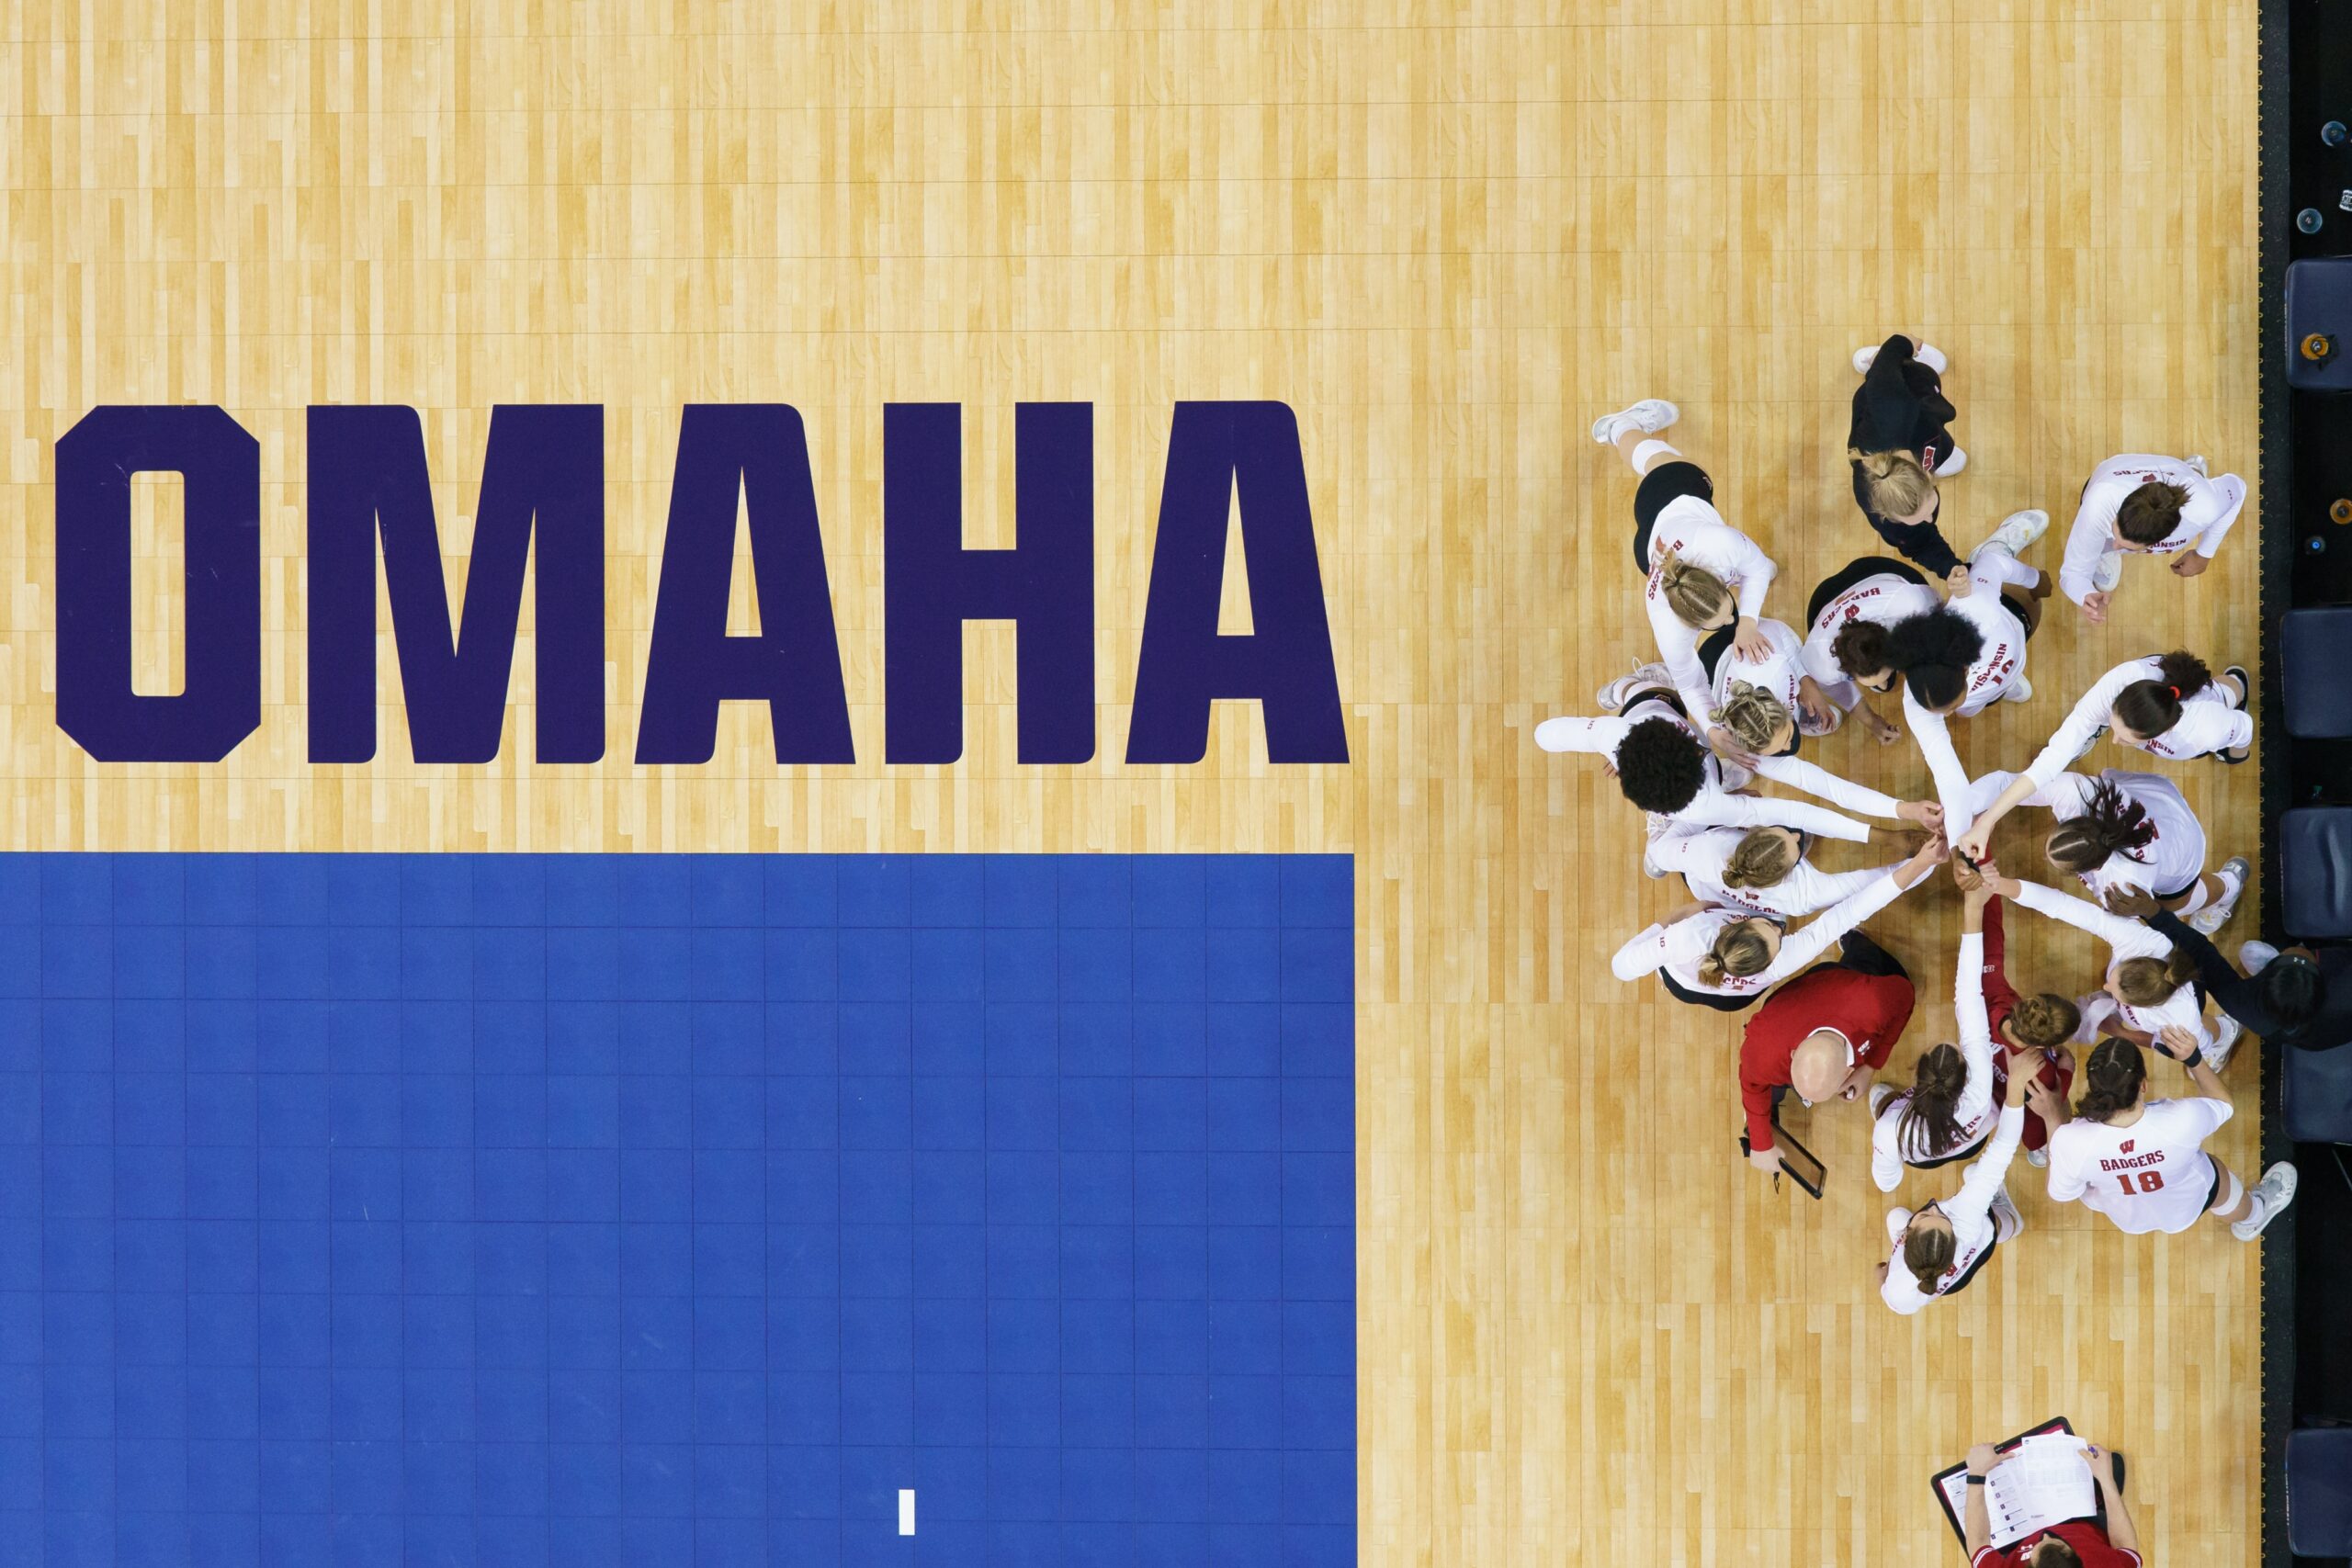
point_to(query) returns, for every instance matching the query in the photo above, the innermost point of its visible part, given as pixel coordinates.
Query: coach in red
(1824, 1035)
(2078, 1543)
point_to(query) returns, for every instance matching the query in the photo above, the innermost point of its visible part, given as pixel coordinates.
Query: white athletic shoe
(1650, 416)
(2274, 1192)
(2019, 530)
(2020, 691)
(1614, 694)
(1925, 354)
(2213, 917)
(2003, 1205)
(2109, 572)
(1879, 1094)
(2197, 463)
(2037, 1158)
(2226, 1034)
(1953, 464)
(1654, 827)
(2253, 956)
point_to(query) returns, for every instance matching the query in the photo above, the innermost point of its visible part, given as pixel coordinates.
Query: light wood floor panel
(1448, 236)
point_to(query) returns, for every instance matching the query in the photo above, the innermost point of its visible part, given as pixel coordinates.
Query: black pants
(1682, 993)
(1854, 571)
(1667, 482)
(1860, 954)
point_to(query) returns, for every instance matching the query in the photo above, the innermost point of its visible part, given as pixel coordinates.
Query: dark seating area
(2305, 741)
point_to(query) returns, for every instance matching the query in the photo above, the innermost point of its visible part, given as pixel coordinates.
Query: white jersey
(1694, 532)
(1677, 948)
(1890, 1150)
(1700, 855)
(2167, 863)
(1716, 804)
(1882, 598)
(2214, 505)
(2152, 1176)
(1971, 1213)
(2208, 722)
(2125, 938)
(1782, 672)
(2001, 663)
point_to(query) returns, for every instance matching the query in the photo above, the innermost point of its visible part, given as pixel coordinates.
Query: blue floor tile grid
(582, 1210)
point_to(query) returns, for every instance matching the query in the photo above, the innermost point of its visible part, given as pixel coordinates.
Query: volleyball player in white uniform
(1877, 589)
(1700, 573)
(2167, 705)
(1782, 671)
(1893, 1143)
(2142, 1162)
(2168, 864)
(1704, 858)
(1645, 696)
(1687, 948)
(2144, 504)
(1939, 1249)
(2141, 963)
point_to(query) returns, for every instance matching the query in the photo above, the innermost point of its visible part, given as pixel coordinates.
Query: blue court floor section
(492, 1212)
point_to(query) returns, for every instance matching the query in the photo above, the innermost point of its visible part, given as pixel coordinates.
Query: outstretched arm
(1601, 735)
(1798, 773)
(2129, 939)
(1944, 763)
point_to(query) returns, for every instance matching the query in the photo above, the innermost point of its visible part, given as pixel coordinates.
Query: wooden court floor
(1448, 236)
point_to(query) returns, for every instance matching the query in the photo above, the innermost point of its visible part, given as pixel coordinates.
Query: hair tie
(2176, 692)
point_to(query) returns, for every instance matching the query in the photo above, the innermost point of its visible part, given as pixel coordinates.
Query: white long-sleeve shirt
(1694, 532)
(2125, 938)
(1714, 805)
(2154, 1174)
(1699, 856)
(2208, 723)
(2212, 506)
(2002, 661)
(1677, 948)
(1883, 598)
(1890, 1150)
(1971, 1213)
(2165, 864)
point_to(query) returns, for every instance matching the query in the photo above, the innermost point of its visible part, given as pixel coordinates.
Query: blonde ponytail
(1893, 482)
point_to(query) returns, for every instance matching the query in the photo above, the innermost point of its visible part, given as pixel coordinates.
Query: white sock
(2231, 1190)
(1647, 452)
(2231, 885)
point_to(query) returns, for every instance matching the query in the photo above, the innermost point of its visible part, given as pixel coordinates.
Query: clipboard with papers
(2043, 1480)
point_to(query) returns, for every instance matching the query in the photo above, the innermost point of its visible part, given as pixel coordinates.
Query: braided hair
(1928, 1253)
(2115, 1071)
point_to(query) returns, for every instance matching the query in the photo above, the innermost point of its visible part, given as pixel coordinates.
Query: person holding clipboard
(2076, 1543)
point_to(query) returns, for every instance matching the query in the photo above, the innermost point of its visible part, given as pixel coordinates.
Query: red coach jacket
(1871, 1010)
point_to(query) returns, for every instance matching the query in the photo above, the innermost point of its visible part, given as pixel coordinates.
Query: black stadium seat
(2315, 871)
(2319, 1492)
(2316, 1096)
(2316, 648)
